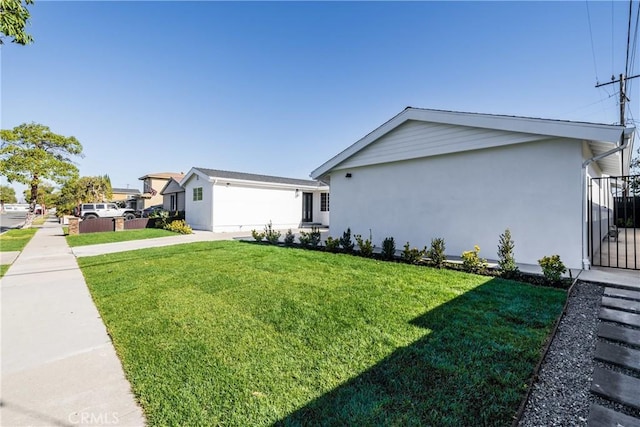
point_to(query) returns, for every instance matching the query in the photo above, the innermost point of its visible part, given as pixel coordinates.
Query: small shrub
(629, 222)
(365, 246)
(471, 261)
(289, 238)
(332, 245)
(257, 235)
(436, 252)
(314, 237)
(346, 242)
(552, 268)
(304, 239)
(506, 260)
(179, 226)
(412, 255)
(161, 219)
(272, 236)
(388, 248)
(311, 238)
(620, 222)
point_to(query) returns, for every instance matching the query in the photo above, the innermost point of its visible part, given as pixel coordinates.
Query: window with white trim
(197, 194)
(324, 202)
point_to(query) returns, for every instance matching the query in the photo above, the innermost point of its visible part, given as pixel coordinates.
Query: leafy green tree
(8, 194)
(46, 195)
(86, 189)
(14, 17)
(67, 198)
(93, 189)
(31, 152)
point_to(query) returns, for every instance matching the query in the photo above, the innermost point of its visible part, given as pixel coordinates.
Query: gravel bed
(560, 396)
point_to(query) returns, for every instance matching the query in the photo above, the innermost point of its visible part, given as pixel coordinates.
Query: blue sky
(280, 87)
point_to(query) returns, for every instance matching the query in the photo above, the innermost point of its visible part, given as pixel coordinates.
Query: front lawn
(4, 268)
(230, 333)
(16, 239)
(39, 220)
(120, 236)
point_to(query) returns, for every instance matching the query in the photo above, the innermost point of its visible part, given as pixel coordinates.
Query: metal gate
(614, 222)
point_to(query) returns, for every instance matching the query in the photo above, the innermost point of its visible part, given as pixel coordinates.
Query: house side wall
(181, 200)
(244, 208)
(166, 201)
(116, 197)
(199, 214)
(469, 199)
(148, 184)
(414, 139)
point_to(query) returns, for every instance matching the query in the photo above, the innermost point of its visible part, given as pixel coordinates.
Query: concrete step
(622, 293)
(621, 304)
(617, 387)
(618, 316)
(599, 416)
(618, 355)
(622, 334)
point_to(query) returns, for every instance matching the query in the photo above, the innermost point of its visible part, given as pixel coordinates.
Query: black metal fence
(614, 222)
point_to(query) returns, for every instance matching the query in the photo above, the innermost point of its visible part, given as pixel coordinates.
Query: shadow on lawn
(471, 369)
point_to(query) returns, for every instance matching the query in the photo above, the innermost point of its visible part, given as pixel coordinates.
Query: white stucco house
(220, 201)
(466, 177)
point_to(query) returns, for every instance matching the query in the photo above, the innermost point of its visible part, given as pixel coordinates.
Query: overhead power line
(626, 64)
(593, 51)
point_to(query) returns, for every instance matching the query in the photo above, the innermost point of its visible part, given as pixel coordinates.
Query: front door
(307, 207)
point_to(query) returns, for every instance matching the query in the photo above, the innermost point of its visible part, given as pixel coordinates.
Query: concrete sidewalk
(59, 366)
(197, 236)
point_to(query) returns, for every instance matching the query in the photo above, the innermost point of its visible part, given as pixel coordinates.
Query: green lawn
(120, 236)
(39, 220)
(4, 268)
(16, 239)
(230, 333)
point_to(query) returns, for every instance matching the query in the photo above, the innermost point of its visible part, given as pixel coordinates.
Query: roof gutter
(625, 140)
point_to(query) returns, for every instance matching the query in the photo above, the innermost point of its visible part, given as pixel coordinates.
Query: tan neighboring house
(152, 184)
(127, 195)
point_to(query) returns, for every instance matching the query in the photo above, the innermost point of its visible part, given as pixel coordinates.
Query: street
(11, 220)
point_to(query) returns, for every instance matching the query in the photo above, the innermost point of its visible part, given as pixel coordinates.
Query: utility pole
(623, 101)
(623, 95)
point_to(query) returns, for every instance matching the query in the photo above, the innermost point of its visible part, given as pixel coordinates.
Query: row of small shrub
(552, 266)
(164, 220)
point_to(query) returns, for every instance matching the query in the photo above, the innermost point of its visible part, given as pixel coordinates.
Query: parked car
(103, 210)
(146, 212)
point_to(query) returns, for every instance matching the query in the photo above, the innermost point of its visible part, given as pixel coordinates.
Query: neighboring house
(172, 196)
(466, 177)
(127, 195)
(151, 185)
(219, 200)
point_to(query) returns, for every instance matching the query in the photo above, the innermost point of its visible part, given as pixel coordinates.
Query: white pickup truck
(103, 210)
